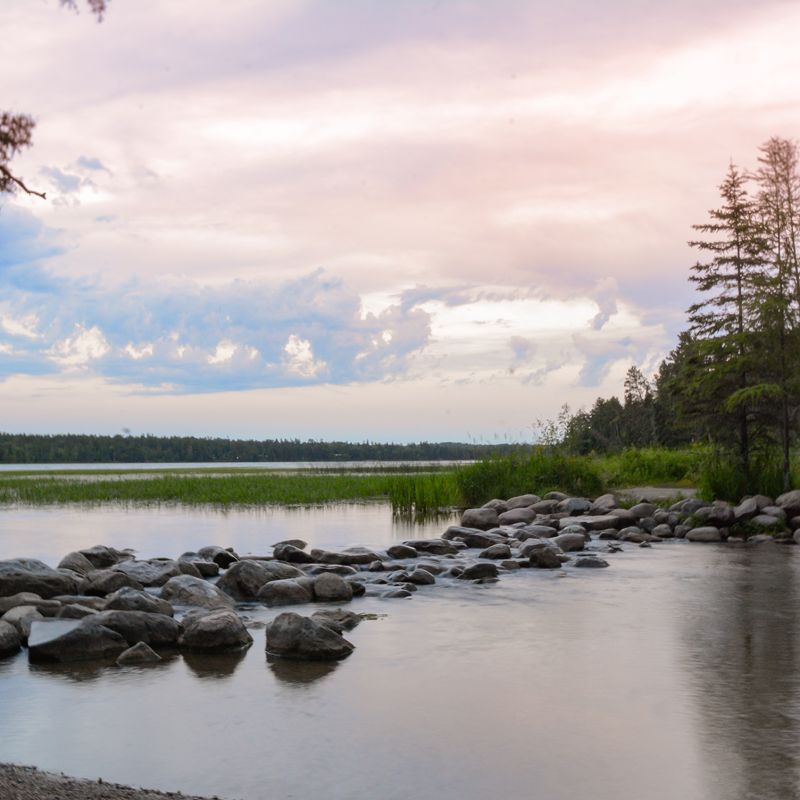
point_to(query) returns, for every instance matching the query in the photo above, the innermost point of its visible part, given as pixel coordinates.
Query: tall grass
(647, 465)
(722, 478)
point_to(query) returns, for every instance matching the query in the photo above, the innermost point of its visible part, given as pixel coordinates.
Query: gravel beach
(29, 783)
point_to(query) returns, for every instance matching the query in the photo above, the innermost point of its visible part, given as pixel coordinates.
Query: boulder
(102, 582)
(482, 518)
(575, 505)
(704, 534)
(30, 575)
(292, 554)
(47, 608)
(624, 515)
(157, 630)
(184, 590)
(522, 501)
(140, 653)
(337, 619)
(472, 537)
(298, 543)
(498, 505)
(642, 510)
(10, 642)
(591, 562)
(789, 502)
(543, 558)
(663, 531)
(244, 579)
(570, 541)
(293, 636)
(499, 551)
(96, 603)
(746, 510)
(75, 611)
(22, 617)
(331, 588)
(155, 572)
(515, 515)
(347, 557)
(604, 503)
(77, 562)
(591, 523)
(479, 571)
(717, 515)
(401, 551)
(395, 594)
(102, 557)
(288, 591)
(774, 511)
(62, 641)
(221, 557)
(420, 577)
(535, 532)
(436, 547)
(337, 569)
(213, 632)
(767, 522)
(128, 599)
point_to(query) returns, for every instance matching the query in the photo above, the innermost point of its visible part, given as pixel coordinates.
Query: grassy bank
(410, 492)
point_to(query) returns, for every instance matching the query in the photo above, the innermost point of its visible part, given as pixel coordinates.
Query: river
(672, 674)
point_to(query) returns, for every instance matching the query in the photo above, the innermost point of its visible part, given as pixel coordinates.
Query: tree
(16, 130)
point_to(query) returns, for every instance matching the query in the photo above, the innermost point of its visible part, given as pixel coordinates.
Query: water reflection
(299, 674)
(742, 648)
(77, 672)
(213, 666)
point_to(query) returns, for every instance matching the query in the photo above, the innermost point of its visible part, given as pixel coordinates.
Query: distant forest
(83, 449)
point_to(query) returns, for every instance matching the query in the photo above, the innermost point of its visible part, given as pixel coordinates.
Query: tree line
(733, 380)
(85, 449)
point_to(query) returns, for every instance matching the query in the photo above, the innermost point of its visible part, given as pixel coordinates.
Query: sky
(352, 219)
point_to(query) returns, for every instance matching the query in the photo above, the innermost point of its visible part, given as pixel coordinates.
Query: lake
(672, 674)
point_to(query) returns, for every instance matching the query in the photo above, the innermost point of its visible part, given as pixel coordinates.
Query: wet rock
(420, 577)
(342, 570)
(591, 522)
(543, 558)
(244, 579)
(480, 570)
(681, 531)
(338, 619)
(157, 630)
(293, 636)
(608, 533)
(774, 511)
(547, 506)
(498, 505)
(347, 557)
(634, 534)
(511, 517)
(512, 564)
(75, 611)
(481, 518)
(332, 588)
(663, 531)
(641, 510)
(77, 562)
(496, 551)
(184, 590)
(62, 641)
(394, 594)
(102, 557)
(140, 653)
(128, 599)
(22, 617)
(556, 496)
(603, 504)
(570, 541)
(766, 521)
(298, 543)
(285, 592)
(789, 502)
(746, 510)
(47, 608)
(221, 557)
(96, 603)
(704, 534)
(436, 547)
(292, 554)
(10, 642)
(522, 501)
(760, 538)
(214, 632)
(401, 551)
(472, 537)
(434, 569)
(575, 505)
(155, 572)
(717, 515)
(536, 532)
(31, 575)
(591, 562)
(102, 582)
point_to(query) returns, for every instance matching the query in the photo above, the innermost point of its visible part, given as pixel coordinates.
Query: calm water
(673, 674)
(246, 465)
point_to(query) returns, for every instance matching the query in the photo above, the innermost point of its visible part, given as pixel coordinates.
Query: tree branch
(4, 171)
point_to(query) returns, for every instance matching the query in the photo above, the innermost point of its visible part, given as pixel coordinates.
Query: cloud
(93, 164)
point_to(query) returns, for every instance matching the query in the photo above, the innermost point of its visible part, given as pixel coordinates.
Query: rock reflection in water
(742, 645)
(212, 666)
(299, 673)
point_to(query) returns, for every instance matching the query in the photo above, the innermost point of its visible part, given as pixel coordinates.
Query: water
(245, 465)
(673, 674)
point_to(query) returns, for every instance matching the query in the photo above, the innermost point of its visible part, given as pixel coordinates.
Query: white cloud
(83, 346)
(300, 358)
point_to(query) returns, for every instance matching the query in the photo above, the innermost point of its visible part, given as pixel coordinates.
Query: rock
(681, 531)
(546, 506)
(536, 532)
(482, 518)
(556, 496)
(102, 582)
(128, 599)
(62, 641)
(22, 617)
(472, 537)
(395, 594)
(206, 569)
(642, 510)
(10, 642)
(604, 503)
(184, 590)
(635, 535)
(512, 564)
(401, 551)
(479, 571)
(496, 551)
(331, 588)
(570, 541)
(608, 533)
(663, 531)
(543, 558)
(214, 632)
(31, 575)
(766, 521)
(718, 515)
(591, 562)
(157, 630)
(760, 538)
(298, 543)
(75, 611)
(796, 536)
(746, 510)
(47, 608)
(498, 505)
(516, 515)
(591, 523)
(774, 511)
(347, 557)
(575, 505)
(95, 603)
(420, 577)
(188, 568)
(789, 502)
(291, 554)
(244, 579)
(221, 557)
(292, 636)
(77, 562)
(155, 572)
(436, 547)
(285, 592)
(140, 653)
(434, 569)
(337, 619)
(704, 534)
(102, 557)
(522, 501)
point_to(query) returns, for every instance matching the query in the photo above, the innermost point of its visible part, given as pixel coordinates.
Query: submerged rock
(141, 626)
(214, 632)
(244, 579)
(290, 635)
(63, 641)
(140, 653)
(287, 592)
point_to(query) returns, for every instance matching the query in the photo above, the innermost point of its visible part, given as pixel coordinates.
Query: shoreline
(30, 783)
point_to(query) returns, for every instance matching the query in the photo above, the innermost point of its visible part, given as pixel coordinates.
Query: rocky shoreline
(29, 783)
